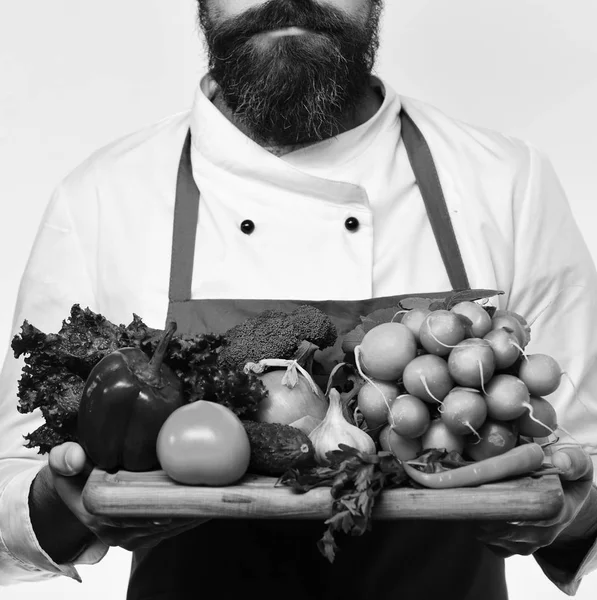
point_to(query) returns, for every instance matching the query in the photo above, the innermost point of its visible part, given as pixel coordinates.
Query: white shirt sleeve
(555, 282)
(55, 278)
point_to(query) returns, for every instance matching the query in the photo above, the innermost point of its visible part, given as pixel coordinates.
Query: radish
(385, 350)
(401, 447)
(514, 323)
(464, 411)
(413, 319)
(472, 363)
(428, 378)
(541, 374)
(539, 420)
(498, 312)
(441, 331)
(497, 437)
(507, 397)
(374, 400)
(480, 321)
(438, 436)
(409, 416)
(505, 347)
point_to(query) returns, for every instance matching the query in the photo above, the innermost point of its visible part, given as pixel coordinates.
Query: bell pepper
(126, 399)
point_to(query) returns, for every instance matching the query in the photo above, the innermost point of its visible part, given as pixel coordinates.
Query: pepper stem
(155, 364)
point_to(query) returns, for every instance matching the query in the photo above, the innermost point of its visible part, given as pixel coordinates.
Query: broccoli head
(313, 325)
(276, 334)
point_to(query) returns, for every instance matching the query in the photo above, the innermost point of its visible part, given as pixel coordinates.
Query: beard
(292, 89)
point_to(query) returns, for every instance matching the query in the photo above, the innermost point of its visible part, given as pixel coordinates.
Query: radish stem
(533, 418)
(520, 350)
(481, 374)
(440, 342)
(576, 394)
(424, 382)
(547, 444)
(467, 424)
(400, 312)
(559, 427)
(357, 357)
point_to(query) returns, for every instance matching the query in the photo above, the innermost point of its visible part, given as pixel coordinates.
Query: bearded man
(299, 176)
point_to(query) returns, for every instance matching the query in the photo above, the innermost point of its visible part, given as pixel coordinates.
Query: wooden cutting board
(154, 494)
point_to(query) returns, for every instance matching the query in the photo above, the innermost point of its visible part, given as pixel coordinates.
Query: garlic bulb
(335, 430)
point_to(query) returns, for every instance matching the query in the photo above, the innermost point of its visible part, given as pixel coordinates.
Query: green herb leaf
(58, 364)
(383, 315)
(356, 479)
(438, 305)
(436, 460)
(417, 302)
(470, 296)
(327, 544)
(386, 315)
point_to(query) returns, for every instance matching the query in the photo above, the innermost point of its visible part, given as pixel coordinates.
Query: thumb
(69, 459)
(574, 462)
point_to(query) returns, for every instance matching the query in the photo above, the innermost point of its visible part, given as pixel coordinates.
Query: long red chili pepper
(516, 462)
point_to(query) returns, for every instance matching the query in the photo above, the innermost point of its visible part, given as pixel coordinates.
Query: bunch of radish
(456, 379)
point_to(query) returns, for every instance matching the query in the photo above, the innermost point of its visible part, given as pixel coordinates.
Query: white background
(76, 74)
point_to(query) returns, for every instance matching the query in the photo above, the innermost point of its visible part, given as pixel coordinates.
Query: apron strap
(186, 212)
(430, 187)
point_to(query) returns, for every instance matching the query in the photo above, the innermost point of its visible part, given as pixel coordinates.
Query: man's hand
(576, 521)
(69, 469)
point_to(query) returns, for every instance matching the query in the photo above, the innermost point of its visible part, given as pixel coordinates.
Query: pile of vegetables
(455, 377)
(115, 389)
(57, 366)
(423, 391)
(448, 396)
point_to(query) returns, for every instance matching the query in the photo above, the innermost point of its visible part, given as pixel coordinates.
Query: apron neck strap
(186, 212)
(430, 187)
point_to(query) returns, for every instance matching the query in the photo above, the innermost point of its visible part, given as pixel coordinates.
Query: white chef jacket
(105, 242)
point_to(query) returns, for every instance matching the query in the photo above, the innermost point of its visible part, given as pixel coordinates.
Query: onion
(306, 424)
(292, 393)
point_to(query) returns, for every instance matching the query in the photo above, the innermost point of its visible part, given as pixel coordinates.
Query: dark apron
(234, 559)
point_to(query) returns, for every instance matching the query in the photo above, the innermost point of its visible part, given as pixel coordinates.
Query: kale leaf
(56, 366)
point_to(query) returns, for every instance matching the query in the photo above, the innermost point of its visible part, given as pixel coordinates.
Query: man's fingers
(69, 459)
(148, 536)
(574, 463)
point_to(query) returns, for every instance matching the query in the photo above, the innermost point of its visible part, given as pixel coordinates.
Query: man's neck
(365, 110)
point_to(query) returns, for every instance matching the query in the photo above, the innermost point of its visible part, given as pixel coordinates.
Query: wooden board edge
(537, 502)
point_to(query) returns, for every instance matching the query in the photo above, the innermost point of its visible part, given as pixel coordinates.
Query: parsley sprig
(356, 480)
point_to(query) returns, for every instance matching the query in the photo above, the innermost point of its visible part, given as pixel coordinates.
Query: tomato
(203, 443)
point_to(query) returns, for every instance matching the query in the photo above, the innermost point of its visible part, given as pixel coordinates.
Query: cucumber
(276, 448)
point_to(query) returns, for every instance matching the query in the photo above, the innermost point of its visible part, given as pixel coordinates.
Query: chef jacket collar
(219, 143)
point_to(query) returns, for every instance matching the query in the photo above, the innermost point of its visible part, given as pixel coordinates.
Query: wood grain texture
(153, 494)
